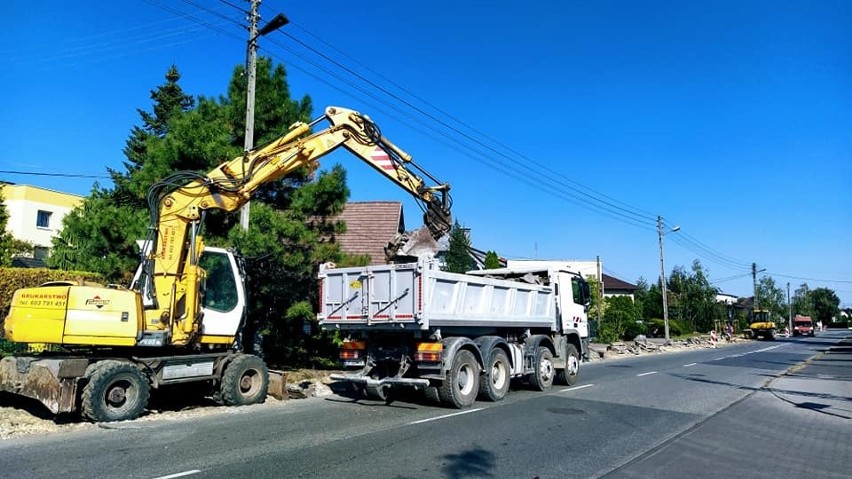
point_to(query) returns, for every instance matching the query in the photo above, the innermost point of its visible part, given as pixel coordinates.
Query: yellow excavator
(180, 319)
(761, 326)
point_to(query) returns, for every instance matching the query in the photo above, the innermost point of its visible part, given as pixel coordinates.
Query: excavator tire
(115, 391)
(245, 381)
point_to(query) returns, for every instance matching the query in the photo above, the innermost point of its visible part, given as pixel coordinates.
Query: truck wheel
(494, 385)
(116, 391)
(542, 378)
(460, 387)
(568, 375)
(245, 381)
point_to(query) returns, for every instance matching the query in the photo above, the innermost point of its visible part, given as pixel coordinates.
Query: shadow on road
(476, 462)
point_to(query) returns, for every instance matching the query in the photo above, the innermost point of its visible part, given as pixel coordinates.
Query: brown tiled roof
(614, 284)
(370, 225)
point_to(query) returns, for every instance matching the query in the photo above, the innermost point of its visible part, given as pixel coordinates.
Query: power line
(58, 175)
(195, 19)
(465, 135)
(647, 214)
(214, 12)
(816, 280)
(729, 278)
(607, 209)
(534, 182)
(234, 6)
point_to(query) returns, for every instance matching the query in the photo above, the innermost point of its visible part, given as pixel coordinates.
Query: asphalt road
(757, 409)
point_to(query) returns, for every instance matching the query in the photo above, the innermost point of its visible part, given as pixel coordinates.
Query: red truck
(803, 326)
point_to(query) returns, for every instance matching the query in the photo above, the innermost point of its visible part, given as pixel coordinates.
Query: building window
(41, 252)
(43, 220)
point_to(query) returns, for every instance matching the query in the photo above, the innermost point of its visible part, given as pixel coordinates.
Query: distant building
(617, 287)
(370, 225)
(36, 214)
(728, 299)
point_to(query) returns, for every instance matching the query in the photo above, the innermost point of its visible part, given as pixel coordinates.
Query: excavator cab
(761, 326)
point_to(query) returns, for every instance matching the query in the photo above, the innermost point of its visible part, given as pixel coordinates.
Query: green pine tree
(458, 258)
(492, 261)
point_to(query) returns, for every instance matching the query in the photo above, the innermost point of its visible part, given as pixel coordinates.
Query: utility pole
(754, 284)
(663, 278)
(789, 310)
(251, 73)
(251, 79)
(600, 290)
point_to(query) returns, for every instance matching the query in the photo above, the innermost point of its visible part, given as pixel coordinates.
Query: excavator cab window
(220, 288)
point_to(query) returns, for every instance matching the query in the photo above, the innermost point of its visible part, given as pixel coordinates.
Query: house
(727, 299)
(370, 225)
(613, 286)
(36, 214)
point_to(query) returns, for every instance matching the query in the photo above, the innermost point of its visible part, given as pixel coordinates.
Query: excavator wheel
(116, 391)
(245, 381)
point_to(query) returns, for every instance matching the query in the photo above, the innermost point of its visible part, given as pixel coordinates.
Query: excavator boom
(231, 184)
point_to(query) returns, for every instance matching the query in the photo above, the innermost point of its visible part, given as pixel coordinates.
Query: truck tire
(115, 391)
(542, 378)
(245, 381)
(461, 386)
(568, 376)
(494, 384)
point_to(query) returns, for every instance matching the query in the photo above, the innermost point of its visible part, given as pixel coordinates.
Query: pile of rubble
(642, 345)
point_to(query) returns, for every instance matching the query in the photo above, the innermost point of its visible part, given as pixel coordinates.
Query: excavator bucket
(52, 382)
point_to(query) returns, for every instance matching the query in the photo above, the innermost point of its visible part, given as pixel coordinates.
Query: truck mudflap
(377, 383)
(52, 382)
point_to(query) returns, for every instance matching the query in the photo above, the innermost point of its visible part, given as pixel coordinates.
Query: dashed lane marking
(646, 374)
(576, 388)
(690, 364)
(445, 416)
(179, 474)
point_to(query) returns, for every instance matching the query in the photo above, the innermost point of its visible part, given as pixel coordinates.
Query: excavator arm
(170, 273)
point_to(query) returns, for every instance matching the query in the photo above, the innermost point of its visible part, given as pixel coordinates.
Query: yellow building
(36, 214)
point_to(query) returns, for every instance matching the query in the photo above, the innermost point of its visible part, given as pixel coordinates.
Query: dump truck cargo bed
(421, 296)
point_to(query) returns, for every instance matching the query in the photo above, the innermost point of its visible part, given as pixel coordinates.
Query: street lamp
(251, 65)
(660, 233)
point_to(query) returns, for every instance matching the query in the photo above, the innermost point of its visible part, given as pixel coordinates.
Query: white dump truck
(455, 336)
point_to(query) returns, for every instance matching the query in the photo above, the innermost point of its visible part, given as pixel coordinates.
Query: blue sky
(729, 119)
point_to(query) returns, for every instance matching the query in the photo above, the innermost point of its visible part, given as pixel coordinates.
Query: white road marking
(576, 388)
(445, 416)
(179, 474)
(646, 374)
(690, 364)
